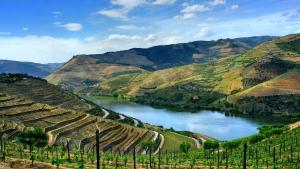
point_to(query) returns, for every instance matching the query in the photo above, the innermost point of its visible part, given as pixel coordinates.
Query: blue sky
(54, 30)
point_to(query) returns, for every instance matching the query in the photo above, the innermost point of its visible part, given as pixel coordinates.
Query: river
(211, 123)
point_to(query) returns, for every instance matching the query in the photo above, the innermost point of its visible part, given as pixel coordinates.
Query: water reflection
(211, 123)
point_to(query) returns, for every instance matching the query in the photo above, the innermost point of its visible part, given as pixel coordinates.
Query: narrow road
(161, 144)
(136, 123)
(121, 117)
(154, 138)
(106, 113)
(197, 144)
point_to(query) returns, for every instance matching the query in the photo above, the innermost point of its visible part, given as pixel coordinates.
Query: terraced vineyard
(65, 124)
(39, 91)
(271, 148)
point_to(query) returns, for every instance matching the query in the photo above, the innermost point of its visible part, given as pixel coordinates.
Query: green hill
(270, 69)
(83, 73)
(27, 102)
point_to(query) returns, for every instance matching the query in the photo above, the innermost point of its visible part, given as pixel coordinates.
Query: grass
(173, 141)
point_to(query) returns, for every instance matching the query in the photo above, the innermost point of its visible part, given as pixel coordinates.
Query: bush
(232, 144)
(270, 130)
(211, 145)
(256, 138)
(185, 147)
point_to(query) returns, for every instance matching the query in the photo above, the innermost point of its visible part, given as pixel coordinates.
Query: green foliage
(269, 130)
(293, 46)
(148, 144)
(232, 144)
(185, 147)
(256, 138)
(208, 145)
(34, 137)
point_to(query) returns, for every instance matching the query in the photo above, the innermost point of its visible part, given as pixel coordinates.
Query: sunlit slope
(65, 124)
(287, 83)
(83, 71)
(269, 69)
(26, 101)
(38, 90)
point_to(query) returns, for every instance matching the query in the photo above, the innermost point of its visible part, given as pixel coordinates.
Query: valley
(149, 84)
(229, 84)
(143, 109)
(214, 124)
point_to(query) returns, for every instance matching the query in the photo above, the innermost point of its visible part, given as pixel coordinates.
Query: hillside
(83, 72)
(273, 147)
(27, 102)
(268, 70)
(33, 69)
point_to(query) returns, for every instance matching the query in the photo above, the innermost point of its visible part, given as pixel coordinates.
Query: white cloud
(90, 38)
(128, 27)
(5, 33)
(164, 2)
(185, 16)
(190, 11)
(57, 14)
(203, 34)
(46, 49)
(234, 7)
(117, 37)
(25, 28)
(151, 38)
(171, 40)
(217, 2)
(69, 26)
(124, 7)
(114, 13)
(194, 8)
(128, 3)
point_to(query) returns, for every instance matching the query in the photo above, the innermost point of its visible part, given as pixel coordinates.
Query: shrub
(211, 145)
(185, 147)
(256, 138)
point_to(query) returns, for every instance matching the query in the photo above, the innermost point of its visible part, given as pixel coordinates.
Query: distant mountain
(160, 57)
(30, 68)
(264, 80)
(84, 70)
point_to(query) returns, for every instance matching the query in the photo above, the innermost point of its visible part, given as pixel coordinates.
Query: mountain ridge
(208, 85)
(30, 68)
(98, 67)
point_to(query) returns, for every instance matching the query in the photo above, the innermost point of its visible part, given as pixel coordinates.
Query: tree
(185, 147)
(149, 145)
(35, 137)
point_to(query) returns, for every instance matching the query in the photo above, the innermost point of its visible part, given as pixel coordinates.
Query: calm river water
(211, 123)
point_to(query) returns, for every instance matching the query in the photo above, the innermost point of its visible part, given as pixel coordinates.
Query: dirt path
(197, 144)
(106, 113)
(161, 144)
(154, 138)
(12, 163)
(294, 125)
(121, 117)
(136, 123)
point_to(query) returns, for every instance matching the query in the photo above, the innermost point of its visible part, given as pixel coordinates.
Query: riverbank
(214, 124)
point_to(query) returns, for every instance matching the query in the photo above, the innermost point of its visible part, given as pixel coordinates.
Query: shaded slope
(33, 69)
